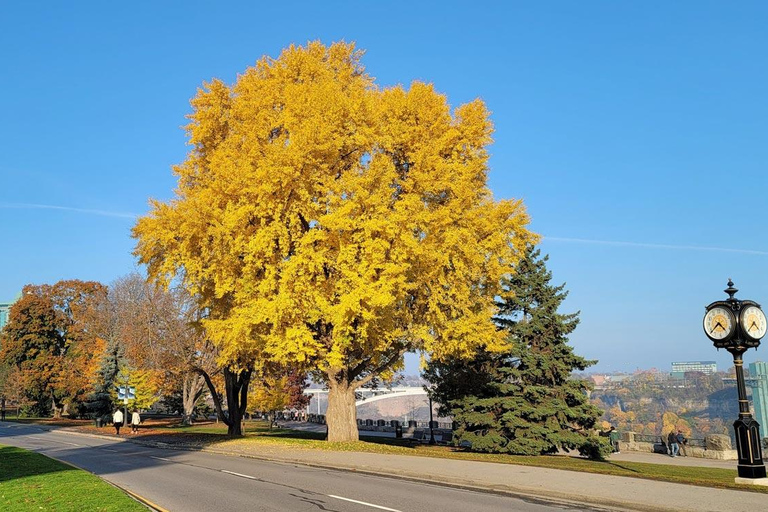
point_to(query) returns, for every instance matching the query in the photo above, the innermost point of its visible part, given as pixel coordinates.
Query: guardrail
(648, 438)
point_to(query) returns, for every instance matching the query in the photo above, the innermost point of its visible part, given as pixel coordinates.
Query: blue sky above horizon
(635, 133)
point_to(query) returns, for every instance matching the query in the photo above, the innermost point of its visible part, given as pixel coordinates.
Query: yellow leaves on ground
(322, 218)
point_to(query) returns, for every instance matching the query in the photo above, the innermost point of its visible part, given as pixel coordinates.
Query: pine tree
(101, 402)
(523, 400)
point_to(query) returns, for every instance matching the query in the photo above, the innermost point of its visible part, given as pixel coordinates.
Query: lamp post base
(751, 481)
(748, 447)
(750, 472)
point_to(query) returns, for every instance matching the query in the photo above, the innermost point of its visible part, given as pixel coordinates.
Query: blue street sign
(126, 393)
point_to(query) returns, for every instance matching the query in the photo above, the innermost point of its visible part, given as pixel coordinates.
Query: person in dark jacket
(681, 442)
(672, 442)
(614, 436)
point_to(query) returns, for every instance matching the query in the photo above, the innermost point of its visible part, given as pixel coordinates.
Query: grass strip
(30, 481)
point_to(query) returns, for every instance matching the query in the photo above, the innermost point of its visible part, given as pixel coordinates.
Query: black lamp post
(737, 325)
(431, 429)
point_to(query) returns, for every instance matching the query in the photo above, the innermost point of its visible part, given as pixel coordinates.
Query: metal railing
(649, 438)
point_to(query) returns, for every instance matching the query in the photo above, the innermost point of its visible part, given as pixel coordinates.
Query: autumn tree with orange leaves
(325, 221)
(52, 354)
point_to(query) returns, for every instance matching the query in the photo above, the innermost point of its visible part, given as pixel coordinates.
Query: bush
(595, 448)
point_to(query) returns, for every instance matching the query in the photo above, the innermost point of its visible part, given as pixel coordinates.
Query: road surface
(198, 481)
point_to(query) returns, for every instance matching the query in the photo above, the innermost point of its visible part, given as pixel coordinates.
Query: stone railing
(715, 446)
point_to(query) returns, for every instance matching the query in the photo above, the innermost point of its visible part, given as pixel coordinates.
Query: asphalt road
(197, 481)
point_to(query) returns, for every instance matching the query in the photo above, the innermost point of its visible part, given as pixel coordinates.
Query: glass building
(5, 308)
(679, 369)
(758, 381)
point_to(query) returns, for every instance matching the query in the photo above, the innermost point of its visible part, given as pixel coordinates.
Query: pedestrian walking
(614, 436)
(135, 420)
(672, 442)
(117, 420)
(681, 442)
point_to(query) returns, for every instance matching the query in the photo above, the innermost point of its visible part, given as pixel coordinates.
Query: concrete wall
(717, 447)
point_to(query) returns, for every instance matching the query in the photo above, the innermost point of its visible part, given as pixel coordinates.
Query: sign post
(126, 393)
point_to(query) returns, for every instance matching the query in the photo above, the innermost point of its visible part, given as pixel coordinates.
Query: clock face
(753, 322)
(718, 323)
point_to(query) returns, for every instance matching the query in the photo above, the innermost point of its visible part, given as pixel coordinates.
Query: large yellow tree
(325, 221)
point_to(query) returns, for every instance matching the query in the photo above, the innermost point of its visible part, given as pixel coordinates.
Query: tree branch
(214, 395)
(376, 371)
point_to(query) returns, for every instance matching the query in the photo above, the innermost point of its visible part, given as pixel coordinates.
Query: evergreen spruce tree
(100, 402)
(522, 401)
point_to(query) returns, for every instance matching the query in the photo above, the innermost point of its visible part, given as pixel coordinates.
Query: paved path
(186, 481)
(658, 458)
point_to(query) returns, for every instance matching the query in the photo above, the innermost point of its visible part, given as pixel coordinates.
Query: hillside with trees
(652, 403)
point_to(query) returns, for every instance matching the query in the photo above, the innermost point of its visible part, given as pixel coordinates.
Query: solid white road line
(363, 503)
(160, 458)
(52, 441)
(249, 477)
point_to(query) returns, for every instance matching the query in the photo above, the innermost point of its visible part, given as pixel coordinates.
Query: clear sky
(635, 132)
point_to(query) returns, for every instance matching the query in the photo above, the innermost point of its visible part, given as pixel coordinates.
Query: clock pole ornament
(737, 325)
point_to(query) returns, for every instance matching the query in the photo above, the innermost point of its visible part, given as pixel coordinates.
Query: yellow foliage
(146, 383)
(269, 395)
(671, 421)
(325, 220)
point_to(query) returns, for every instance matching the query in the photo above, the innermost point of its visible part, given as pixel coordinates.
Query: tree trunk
(341, 416)
(236, 390)
(236, 386)
(192, 389)
(57, 408)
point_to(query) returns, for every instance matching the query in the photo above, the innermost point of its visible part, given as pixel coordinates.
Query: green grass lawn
(30, 481)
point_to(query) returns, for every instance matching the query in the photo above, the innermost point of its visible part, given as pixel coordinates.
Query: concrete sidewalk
(659, 458)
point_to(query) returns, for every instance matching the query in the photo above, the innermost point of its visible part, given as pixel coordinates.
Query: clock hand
(753, 325)
(718, 324)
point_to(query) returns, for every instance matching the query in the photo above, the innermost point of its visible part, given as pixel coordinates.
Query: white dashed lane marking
(363, 503)
(249, 477)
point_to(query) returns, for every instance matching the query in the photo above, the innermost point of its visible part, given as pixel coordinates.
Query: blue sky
(635, 132)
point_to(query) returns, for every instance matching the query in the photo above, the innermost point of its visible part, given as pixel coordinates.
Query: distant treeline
(653, 403)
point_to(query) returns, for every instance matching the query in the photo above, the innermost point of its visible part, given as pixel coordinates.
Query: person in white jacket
(135, 420)
(117, 420)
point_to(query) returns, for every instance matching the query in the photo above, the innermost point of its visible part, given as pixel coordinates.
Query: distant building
(5, 311)
(679, 369)
(598, 380)
(758, 381)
